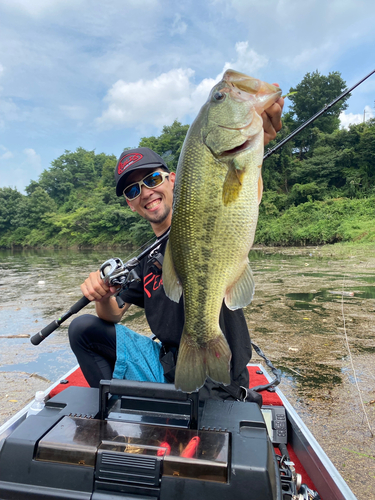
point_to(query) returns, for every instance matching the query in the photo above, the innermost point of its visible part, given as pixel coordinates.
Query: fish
(217, 191)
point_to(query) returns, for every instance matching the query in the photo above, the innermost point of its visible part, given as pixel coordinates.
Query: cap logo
(128, 160)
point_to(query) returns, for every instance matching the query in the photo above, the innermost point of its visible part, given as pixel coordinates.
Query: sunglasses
(151, 181)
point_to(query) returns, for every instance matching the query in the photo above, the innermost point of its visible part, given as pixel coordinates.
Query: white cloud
(17, 172)
(202, 91)
(9, 111)
(248, 61)
(38, 8)
(154, 102)
(347, 119)
(33, 160)
(311, 55)
(169, 96)
(77, 113)
(6, 155)
(302, 35)
(179, 27)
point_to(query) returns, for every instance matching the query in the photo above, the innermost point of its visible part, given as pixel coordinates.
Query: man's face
(154, 205)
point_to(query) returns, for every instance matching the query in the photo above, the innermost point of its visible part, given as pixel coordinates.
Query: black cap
(134, 159)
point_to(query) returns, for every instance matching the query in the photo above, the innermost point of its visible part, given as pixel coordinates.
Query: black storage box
(151, 445)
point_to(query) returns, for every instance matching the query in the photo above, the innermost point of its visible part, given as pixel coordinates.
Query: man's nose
(145, 191)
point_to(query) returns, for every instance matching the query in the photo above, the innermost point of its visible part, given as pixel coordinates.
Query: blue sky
(103, 74)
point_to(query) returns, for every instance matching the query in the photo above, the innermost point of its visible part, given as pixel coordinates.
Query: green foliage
(301, 193)
(33, 210)
(320, 222)
(10, 200)
(318, 188)
(74, 203)
(169, 144)
(312, 94)
(78, 170)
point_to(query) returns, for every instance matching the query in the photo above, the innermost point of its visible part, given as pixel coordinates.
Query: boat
(120, 441)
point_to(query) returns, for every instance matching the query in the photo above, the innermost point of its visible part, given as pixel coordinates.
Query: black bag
(210, 390)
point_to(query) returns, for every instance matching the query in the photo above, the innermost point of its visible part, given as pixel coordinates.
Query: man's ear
(130, 205)
(172, 178)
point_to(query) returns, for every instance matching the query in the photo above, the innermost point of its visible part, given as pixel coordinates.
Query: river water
(312, 314)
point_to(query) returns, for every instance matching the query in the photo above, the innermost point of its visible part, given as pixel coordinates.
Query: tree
(311, 95)
(33, 208)
(169, 143)
(72, 170)
(10, 200)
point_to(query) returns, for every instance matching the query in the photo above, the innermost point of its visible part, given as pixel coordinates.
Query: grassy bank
(310, 223)
(319, 223)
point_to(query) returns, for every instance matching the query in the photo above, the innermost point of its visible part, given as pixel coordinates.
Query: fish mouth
(243, 127)
(238, 149)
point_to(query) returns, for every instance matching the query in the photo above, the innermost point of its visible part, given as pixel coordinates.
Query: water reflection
(293, 301)
(315, 376)
(294, 318)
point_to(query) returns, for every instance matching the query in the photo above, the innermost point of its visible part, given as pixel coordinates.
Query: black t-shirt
(166, 318)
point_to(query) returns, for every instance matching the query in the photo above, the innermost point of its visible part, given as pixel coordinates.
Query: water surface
(295, 318)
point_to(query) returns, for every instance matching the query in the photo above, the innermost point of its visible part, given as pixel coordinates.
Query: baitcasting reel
(115, 273)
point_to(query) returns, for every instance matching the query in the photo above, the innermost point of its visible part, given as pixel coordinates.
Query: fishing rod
(114, 273)
(314, 117)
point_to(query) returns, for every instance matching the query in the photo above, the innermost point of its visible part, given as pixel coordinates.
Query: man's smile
(153, 204)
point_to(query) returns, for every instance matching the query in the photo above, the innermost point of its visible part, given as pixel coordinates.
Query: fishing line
(276, 381)
(141, 247)
(351, 360)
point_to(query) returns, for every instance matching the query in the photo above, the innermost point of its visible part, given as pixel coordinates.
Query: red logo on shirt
(154, 280)
(128, 160)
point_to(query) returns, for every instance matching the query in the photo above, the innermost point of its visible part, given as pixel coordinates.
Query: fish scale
(215, 213)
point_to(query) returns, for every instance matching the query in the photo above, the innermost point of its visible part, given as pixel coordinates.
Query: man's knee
(80, 326)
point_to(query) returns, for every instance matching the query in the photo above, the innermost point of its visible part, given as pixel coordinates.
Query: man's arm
(108, 310)
(105, 304)
(272, 120)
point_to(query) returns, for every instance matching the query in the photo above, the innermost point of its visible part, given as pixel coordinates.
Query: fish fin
(195, 363)
(232, 185)
(172, 286)
(241, 293)
(260, 189)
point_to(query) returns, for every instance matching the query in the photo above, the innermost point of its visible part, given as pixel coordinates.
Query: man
(106, 349)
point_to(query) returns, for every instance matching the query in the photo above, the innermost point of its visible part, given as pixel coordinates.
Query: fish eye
(219, 96)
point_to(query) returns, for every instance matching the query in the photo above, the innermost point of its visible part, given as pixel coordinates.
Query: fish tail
(197, 362)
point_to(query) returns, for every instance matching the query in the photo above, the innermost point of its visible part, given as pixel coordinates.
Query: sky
(102, 74)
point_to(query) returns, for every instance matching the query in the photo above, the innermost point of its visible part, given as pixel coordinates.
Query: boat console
(135, 440)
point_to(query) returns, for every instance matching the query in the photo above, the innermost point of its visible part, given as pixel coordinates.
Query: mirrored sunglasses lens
(132, 191)
(153, 180)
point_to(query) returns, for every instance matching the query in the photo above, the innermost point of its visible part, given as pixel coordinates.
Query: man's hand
(272, 119)
(106, 305)
(94, 288)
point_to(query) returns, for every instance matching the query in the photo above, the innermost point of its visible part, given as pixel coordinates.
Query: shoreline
(339, 247)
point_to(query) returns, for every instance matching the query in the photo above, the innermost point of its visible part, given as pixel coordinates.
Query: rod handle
(38, 337)
(47, 330)
(80, 304)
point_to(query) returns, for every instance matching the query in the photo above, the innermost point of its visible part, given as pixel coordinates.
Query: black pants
(93, 341)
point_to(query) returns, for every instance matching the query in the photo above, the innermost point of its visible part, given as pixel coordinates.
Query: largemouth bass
(215, 210)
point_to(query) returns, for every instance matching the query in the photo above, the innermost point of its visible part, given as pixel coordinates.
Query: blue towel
(137, 357)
